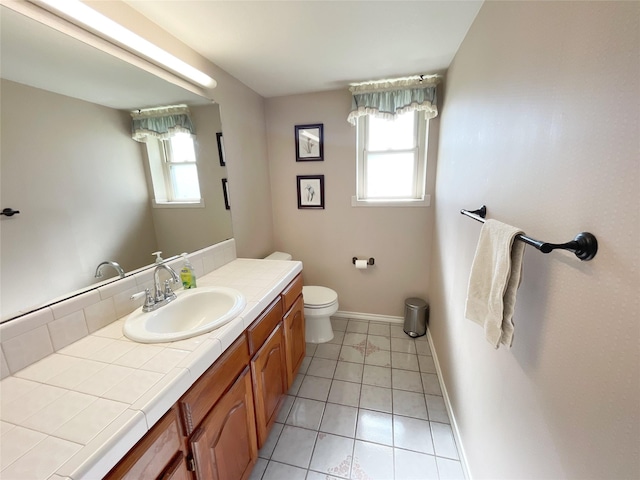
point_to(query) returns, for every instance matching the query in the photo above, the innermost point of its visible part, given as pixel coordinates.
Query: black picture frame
(225, 192)
(309, 143)
(310, 191)
(221, 155)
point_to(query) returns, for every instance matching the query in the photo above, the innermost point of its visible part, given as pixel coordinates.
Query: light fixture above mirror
(104, 26)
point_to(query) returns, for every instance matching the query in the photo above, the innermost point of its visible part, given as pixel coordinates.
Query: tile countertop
(76, 413)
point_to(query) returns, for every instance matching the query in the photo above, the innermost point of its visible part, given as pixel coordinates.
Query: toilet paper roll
(361, 264)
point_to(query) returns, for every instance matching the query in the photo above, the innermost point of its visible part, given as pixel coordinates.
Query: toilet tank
(279, 256)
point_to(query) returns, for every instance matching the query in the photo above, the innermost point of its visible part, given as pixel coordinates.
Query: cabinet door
(224, 446)
(294, 339)
(211, 386)
(269, 372)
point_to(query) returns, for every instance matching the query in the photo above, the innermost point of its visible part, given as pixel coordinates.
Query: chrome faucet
(114, 265)
(162, 295)
(167, 294)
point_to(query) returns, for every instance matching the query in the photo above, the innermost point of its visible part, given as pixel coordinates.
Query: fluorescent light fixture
(96, 21)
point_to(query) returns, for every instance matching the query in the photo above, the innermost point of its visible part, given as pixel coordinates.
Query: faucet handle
(168, 292)
(148, 302)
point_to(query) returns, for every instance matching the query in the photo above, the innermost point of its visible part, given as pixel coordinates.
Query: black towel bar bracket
(584, 246)
(9, 212)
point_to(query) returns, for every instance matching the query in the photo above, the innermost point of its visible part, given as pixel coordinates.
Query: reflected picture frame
(310, 191)
(309, 143)
(225, 193)
(221, 155)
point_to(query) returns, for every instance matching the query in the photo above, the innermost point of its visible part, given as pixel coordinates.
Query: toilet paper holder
(371, 261)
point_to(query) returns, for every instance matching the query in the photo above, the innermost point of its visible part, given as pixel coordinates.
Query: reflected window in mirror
(174, 169)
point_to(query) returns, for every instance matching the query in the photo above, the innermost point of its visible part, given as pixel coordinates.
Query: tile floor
(366, 406)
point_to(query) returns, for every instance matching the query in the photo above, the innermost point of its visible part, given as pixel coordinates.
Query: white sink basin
(193, 313)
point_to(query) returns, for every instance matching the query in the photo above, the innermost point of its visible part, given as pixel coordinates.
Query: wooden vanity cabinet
(196, 403)
(293, 323)
(219, 418)
(178, 470)
(269, 371)
(224, 446)
(156, 454)
(268, 367)
(214, 431)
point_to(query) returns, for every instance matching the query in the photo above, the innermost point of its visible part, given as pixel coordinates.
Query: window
(391, 163)
(174, 171)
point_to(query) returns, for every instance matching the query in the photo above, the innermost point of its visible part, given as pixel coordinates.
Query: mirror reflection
(83, 186)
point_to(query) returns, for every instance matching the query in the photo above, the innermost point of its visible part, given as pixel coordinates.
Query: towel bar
(584, 246)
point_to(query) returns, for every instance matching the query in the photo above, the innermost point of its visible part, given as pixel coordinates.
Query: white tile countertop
(76, 413)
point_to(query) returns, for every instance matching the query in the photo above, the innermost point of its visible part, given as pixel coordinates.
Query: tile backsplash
(30, 338)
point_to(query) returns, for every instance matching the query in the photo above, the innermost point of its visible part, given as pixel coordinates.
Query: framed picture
(225, 192)
(309, 143)
(223, 160)
(311, 191)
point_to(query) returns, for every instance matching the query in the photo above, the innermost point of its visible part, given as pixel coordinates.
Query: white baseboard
(368, 316)
(452, 417)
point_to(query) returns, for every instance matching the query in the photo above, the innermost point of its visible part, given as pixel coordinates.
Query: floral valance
(161, 123)
(389, 98)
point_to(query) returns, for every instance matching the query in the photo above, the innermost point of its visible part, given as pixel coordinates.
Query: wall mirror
(70, 166)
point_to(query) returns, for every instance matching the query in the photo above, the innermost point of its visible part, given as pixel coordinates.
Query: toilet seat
(318, 297)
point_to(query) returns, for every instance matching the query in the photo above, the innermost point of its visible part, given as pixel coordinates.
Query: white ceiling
(289, 47)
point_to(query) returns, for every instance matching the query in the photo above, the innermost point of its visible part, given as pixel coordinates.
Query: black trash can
(416, 317)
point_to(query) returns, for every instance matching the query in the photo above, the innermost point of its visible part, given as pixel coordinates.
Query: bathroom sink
(192, 313)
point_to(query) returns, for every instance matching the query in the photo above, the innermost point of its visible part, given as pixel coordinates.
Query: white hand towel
(494, 280)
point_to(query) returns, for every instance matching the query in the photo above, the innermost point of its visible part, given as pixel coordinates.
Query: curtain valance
(161, 123)
(389, 98)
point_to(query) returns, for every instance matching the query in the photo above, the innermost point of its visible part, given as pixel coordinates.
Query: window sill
(391, 203)
(195, 204)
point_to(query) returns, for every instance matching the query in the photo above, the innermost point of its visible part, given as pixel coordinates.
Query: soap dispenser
(187, 274)
(159, 259)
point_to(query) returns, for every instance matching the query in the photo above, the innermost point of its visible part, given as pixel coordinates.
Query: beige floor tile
(349, 372)
(345, 393)
(378, 376)
(295, 446)
(339, 420)
(376, 398)
(405, 361)
(332, 455)
(375, 427)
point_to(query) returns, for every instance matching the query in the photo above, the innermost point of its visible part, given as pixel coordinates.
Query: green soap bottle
(187, 275)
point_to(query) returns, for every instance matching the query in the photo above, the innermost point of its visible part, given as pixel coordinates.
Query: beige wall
(242, 112)
(326, 240)
(67, 225)
(540, 123)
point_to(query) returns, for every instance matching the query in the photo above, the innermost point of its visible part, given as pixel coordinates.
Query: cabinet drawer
(202, 396)
(260, 330)
(178, 470)
(291, 292)
(151, 455)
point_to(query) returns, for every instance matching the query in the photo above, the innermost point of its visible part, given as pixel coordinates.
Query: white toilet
(319, 304)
